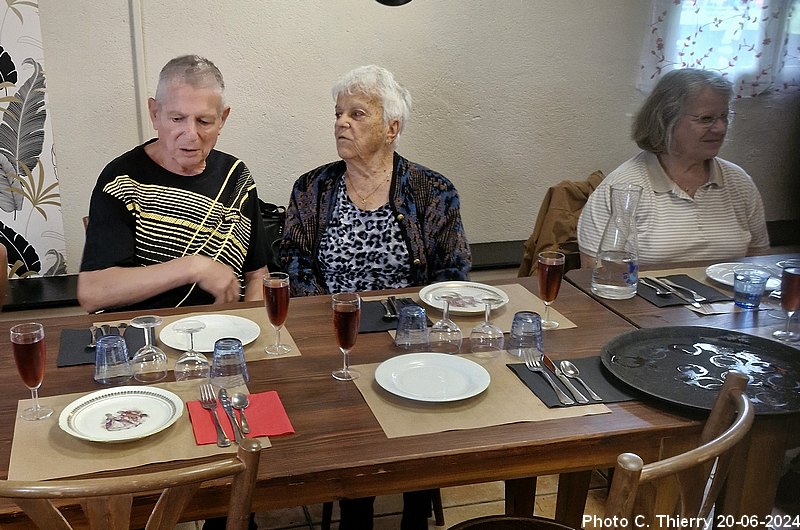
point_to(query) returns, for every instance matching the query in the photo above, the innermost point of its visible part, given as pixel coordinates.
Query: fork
(697, 297)
(534, 364)
(208, 400)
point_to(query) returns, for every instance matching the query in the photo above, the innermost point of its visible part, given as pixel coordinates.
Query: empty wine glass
(790, 299)
(486, 337)
(551, 270)
(149, 362)
(27, 345)
(276, 300)
(445, 335)
(192, 364)
(346, 321)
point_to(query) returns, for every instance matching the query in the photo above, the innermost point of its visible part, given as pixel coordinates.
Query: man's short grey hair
(193, 70)
(376, 81)
(654, 124)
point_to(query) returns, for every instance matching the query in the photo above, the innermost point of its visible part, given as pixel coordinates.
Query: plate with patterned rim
(121, 414)
(465, 297)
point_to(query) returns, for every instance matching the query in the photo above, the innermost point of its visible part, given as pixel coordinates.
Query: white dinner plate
(465, 297)
(217, 327)
(723, 273)
(121, 414)
(433, 377)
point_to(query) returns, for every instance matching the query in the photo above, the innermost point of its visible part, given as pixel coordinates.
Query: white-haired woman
(372, 220)
(694, 205)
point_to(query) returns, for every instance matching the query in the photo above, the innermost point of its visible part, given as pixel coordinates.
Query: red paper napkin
(266, 416)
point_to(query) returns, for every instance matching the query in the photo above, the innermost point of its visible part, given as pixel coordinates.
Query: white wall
(511, 96)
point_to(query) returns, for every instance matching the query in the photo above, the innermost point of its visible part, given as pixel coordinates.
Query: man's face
(188, 121)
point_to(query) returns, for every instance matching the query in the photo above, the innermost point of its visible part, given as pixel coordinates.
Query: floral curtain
(755, 43)
(31, 226)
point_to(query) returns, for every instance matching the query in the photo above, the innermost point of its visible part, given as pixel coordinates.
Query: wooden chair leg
(327, 515)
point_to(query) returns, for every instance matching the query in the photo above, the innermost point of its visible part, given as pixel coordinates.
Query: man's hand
(216, 278)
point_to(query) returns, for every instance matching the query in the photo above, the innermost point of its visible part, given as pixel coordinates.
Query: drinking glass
(229, 368)
(445, 335)
(551, 270)
(149, 362)
(346, 317)
(486, 337)
(192, 364)
(111, 364)
(27, 343)
(790, 298)
(412, 328)
(276, 299)
(526, 333)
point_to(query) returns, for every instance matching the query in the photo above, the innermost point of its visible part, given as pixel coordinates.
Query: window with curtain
(755, 43)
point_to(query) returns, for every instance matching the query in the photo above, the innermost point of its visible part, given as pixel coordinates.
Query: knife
(674, 291)
(225, 401)
(548, 362)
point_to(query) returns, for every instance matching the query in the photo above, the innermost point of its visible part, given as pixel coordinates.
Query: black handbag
(274, 217)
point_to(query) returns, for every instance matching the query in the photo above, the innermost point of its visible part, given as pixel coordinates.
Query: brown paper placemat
(253, 351)
(41, 450)
(507, 400)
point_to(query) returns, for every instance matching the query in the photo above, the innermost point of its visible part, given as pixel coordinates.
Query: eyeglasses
(708, 121)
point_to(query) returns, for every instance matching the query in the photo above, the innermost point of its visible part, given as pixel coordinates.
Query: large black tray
(686, 365)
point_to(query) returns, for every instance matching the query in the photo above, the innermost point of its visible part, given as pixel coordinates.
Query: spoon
(570, 370)
(240, 402)
(93, 343)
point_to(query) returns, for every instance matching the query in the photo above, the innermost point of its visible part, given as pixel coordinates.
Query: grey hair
(193, 70)
(378, 82)
(654, 124)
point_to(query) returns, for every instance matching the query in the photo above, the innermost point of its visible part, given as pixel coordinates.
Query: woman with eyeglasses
(694, 205)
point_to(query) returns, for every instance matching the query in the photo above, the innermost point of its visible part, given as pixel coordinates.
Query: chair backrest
(107, 502)
(3, 274)
(274, 218)
(556, 225)
(687, 484)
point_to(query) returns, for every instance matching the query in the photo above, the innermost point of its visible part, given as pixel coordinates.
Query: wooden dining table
(340, 450)
(753, 483)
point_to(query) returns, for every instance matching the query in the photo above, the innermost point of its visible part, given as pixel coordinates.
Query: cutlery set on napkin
(680, 289)
(215, 420)
(77, 346)
(563, 391)
(381, 315)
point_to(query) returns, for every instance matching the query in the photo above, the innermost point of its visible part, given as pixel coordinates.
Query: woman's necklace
(363, 198)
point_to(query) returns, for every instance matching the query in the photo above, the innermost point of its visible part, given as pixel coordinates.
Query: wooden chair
(107, 502)
(685, 485)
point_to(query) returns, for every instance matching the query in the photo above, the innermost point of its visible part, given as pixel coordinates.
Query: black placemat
(372, 316)
(649, 294)
(593, 373)
(73, 350)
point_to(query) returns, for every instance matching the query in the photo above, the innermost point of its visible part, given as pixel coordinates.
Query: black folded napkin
(649, 294)
(73, 350)
(372, 316)
(592, 372)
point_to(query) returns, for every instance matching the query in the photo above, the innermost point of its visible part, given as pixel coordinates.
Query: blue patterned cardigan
(425, 205)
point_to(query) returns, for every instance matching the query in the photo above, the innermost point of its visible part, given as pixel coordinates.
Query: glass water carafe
(616, 267)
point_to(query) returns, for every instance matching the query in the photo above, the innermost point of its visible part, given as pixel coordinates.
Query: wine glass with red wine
(346, 319)
(27, 343)
(551, 270)
(790, 298)
(276, 299)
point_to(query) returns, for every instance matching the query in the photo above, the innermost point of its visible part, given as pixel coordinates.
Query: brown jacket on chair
(557, 223)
